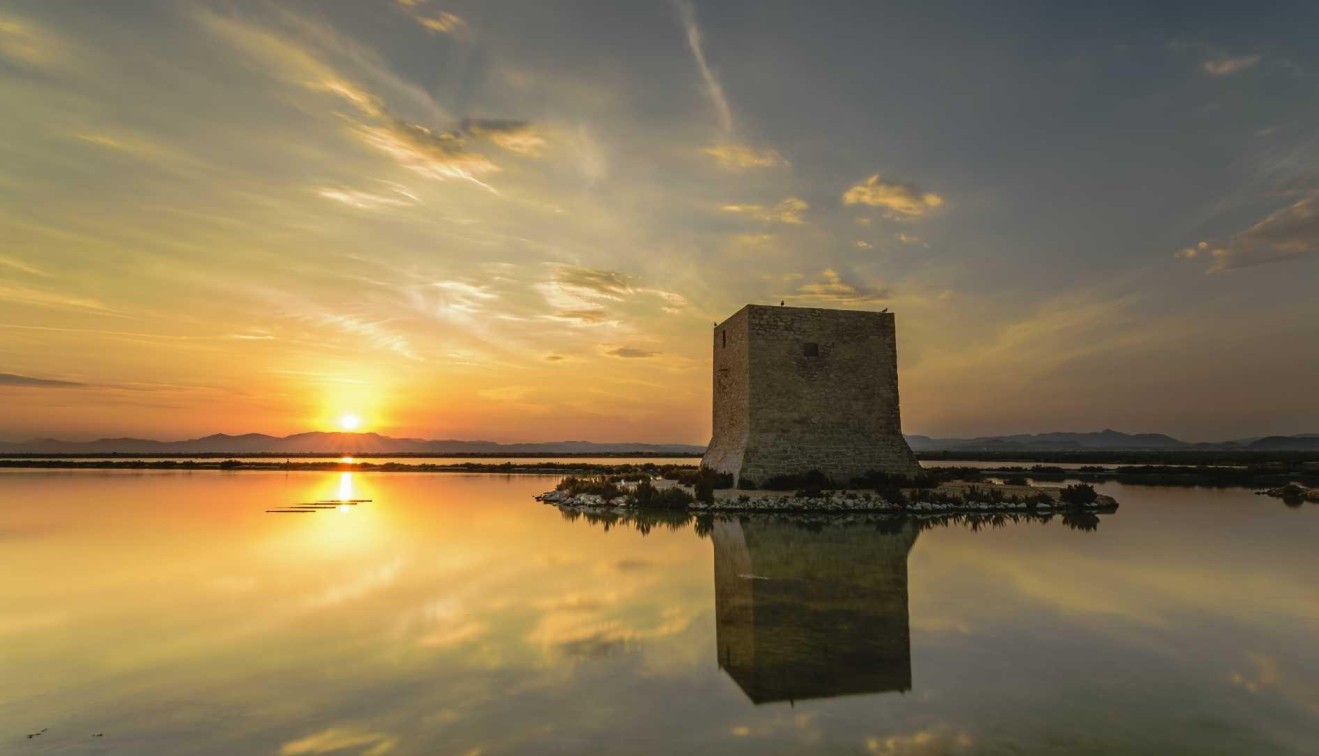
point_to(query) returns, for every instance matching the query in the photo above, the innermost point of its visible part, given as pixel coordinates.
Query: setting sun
(350, 422)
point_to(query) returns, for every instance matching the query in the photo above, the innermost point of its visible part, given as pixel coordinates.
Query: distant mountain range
(374, 443)
(330, 443)
(1108, 440)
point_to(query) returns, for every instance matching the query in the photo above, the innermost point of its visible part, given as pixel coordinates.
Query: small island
(699, 491)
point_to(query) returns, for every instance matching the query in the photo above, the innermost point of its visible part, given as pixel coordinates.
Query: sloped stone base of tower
(841, 458)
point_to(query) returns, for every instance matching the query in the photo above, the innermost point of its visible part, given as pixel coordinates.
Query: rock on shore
(1293, 492)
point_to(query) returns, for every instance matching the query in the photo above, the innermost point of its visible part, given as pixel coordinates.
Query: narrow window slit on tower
(724, 336)
(810, 349)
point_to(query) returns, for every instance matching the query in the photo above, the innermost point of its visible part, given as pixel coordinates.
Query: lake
(154, 612)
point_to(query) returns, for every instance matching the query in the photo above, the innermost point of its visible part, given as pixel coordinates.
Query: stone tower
(802, 388)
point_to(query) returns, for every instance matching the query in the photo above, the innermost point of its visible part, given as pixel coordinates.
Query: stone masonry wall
(731, 395)
(821, 390)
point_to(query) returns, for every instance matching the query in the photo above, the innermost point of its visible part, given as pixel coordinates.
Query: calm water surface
(452, 614)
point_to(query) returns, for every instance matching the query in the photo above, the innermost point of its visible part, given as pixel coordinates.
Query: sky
(518, 221)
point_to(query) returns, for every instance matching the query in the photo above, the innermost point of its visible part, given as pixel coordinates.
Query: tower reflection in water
(812, 613)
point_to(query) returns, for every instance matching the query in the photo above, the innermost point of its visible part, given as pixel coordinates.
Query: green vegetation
(689, 476)
(603, 486)
(704, 480)
(1079, 494)
(647, 496)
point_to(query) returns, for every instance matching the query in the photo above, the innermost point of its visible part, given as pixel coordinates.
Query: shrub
(704, 490)
(1080, 493)
(703, 479)
(892, 493)
(650, 497)
(600, 486)
(1016, 480)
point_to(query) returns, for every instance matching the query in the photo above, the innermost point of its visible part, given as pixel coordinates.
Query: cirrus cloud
(514, 136)
(832, 288)
(27, 381)
(788, 211)
(1286, 234)
(736, 157)
(713, 89)
(900, 200)
(628, 352)
(434, 21)
(1227, 65)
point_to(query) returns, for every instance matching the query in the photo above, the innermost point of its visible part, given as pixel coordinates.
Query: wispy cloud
(1227, 65)
(336, 739)
(437, 155)
(375, 332)
(585, 296)
(605, 283)
(514, 136)
(736, 157)
(902, 200)
(832, 288)
(789, 210)
(440, 154)
(363, 200)
(433, 20)
(27, 381)
(27, 44)
(1287, 234)
(581, 294)
(1056, 332)
(463, 297)
(713, 89)
(15, 264)
(628, 352)
(585, 315)
(27, 295)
